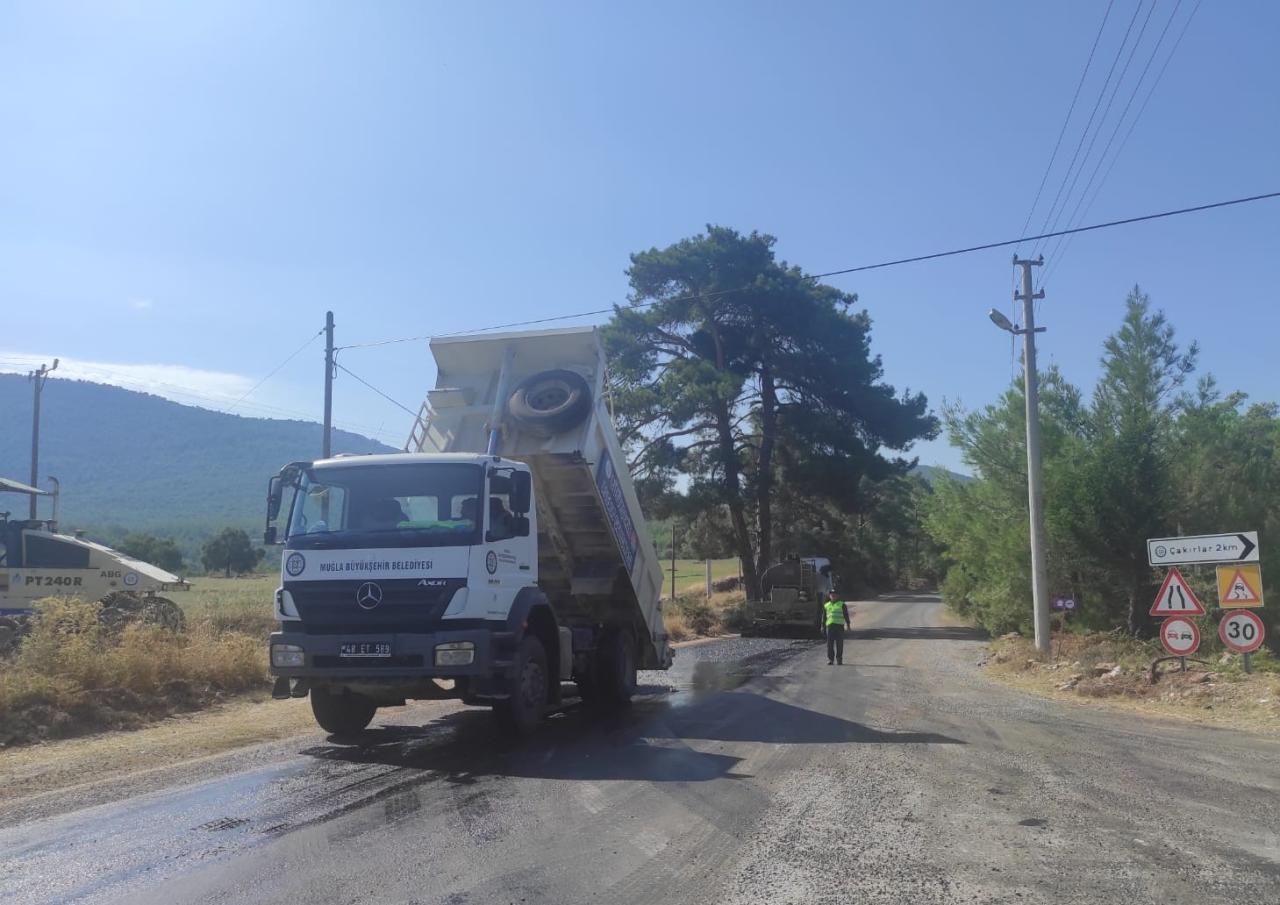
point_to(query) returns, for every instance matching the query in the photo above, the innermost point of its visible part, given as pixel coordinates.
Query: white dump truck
(502, 554)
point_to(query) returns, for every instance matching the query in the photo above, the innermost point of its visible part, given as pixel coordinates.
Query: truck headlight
(285, 608)
(287, 655)
(455, 653)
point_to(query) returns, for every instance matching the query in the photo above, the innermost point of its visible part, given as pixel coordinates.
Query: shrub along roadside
(70, 678)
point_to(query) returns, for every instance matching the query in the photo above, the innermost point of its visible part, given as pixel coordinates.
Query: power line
(832, 273)
(277, 368)
(1106, 112)
(1058, 256)
(1089, 122)
(411, 412)
(1070, 109)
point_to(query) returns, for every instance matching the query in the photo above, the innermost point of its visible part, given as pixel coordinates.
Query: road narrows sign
(1176, 598)
(1240, 546)
(1240, 586)
(1242, 631)
(1180, 636)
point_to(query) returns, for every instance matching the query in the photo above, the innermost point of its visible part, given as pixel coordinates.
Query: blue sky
(185, 188)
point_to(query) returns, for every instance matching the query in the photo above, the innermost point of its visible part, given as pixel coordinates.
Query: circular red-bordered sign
(1180, 636)
(1242, 631)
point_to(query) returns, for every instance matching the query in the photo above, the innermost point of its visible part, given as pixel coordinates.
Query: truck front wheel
(519, 714)
(341, 714)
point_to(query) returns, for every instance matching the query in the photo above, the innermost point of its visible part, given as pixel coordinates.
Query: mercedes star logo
(368, 595)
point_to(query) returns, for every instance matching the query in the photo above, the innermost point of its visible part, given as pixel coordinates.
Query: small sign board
(1242, 631)
(1180, 636)
(1175, 598)
(1063, 603)
(1240, 586)
(1241, 546)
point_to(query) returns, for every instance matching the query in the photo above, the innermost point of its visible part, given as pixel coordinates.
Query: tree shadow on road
(747, 717)
(464, 746)
(646, 742)
(909, 597)
(920, 633)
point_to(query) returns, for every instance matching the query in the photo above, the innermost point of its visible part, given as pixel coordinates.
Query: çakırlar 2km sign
(1239, 546)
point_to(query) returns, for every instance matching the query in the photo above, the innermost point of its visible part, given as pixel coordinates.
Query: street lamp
(1035, 491)
(1001, 321)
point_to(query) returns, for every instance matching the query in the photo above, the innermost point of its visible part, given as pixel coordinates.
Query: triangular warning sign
(1176, 598)
(1239, 591)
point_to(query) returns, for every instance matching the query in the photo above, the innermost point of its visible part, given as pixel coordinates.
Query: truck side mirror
(519, 526)
(269, 536)
(521, 493)
(275, 493)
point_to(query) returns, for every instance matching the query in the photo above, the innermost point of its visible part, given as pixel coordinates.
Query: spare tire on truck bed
(550, 402)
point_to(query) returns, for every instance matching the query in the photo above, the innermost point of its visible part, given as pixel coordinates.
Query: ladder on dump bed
(807, 582)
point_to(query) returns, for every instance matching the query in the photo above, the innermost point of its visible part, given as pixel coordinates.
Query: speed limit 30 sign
(1242, 631)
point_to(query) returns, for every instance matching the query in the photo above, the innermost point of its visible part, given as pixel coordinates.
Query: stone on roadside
(1101, 669)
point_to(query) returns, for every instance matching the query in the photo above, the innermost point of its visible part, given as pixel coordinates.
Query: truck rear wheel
(519, 715)
(341, 714)
(614, 681)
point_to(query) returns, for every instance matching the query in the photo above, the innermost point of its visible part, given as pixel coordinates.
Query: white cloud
(141, 304)
(221, 391)
(192, 386)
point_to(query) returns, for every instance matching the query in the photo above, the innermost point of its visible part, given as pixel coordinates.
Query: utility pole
(37, 378)
(1035, 485)
(327, 442)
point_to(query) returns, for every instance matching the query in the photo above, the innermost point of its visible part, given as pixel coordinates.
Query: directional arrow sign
(1241, 546)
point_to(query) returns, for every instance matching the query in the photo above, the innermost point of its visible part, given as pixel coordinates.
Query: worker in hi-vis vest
(835, 616)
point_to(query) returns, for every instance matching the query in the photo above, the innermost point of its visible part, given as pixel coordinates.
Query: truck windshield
(412, 505)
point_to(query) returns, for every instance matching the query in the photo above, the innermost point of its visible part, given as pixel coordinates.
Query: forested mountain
(137, 462)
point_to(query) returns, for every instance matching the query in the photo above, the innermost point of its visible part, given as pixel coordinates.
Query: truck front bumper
(412, 655)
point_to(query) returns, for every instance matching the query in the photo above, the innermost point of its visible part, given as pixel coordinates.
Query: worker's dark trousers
(835, 643)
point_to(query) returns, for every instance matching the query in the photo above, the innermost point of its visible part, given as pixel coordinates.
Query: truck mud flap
(286, 688)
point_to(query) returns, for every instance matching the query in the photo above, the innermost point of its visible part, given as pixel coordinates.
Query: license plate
(364, 649)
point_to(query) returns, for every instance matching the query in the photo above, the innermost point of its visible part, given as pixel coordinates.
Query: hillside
(932, 472)
(134, 461)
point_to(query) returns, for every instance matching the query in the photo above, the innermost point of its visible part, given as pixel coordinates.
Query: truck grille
(330, 607)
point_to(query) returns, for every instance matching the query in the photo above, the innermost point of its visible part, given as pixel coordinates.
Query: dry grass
(1116, 669)
(692, 616)
(69, 677)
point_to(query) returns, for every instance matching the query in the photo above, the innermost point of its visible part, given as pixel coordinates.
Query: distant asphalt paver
(751, 772)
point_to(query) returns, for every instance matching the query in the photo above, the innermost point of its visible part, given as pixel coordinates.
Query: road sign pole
(1182, 662)
(1248, 666)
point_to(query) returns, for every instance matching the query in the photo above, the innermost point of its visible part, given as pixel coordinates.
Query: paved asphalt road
(751, 773)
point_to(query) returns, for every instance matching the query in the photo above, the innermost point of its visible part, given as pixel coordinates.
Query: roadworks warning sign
(1240, 586)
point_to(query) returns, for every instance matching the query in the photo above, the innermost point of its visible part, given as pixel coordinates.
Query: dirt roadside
(1099, 670)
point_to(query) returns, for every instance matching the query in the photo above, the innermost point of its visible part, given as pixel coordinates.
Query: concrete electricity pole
(37, 377)
(327, 442)
(1035, 484)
